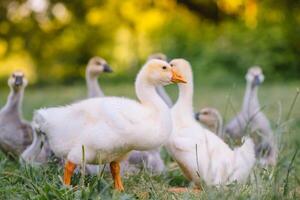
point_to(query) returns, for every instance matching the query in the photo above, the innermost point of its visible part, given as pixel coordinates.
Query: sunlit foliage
(58, 37)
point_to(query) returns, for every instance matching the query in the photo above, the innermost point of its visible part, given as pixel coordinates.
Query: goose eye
(164, 67)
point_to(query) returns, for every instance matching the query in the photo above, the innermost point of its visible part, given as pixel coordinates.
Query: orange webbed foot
(68, 172)
(115, 171)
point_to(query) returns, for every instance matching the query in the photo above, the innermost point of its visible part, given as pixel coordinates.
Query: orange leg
(69, 169)
(115, 172)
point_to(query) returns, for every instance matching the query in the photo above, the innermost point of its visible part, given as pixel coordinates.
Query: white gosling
(214, 161)
(252, 120)
(137, 160)
(211, 119)
(95, 67)
(15, 132)
(108, 127)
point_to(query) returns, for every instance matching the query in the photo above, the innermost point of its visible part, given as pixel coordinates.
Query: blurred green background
(53, 40)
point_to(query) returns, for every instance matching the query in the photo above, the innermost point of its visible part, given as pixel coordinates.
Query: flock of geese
(129, 134)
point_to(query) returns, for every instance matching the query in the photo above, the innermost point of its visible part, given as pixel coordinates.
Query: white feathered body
(214, 162)
(201, 154)
(107, 127)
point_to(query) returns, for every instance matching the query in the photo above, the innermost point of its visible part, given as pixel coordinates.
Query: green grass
(280, 182)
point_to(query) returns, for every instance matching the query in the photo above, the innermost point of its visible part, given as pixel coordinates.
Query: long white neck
(160, 115)
(184, 104)
(14, 102)
(147, 94)
(250, 104)
(94, 89)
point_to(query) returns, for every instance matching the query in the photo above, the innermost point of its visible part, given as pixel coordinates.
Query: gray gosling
(212, 119)
(15, 132)
(95, 67)
(252, 120)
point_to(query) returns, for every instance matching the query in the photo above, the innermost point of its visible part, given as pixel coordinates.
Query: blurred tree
(219, 37)
(204, 8)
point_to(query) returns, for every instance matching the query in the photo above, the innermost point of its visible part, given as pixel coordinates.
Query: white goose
(251, 120)
(151, 160)
(216, 162)
(108, 127)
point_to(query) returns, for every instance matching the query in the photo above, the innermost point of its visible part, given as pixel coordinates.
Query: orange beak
(177, 78)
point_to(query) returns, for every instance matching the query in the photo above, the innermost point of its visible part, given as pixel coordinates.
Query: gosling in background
(95, 67)
(252, 120)
(16, 132)
(211, 119)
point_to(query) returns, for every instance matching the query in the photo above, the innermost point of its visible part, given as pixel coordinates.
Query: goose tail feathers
(244, 159)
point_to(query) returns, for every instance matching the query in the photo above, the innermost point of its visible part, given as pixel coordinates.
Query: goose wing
(119, 115)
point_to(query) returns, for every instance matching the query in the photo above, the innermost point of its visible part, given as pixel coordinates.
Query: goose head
(159, 56)
(17, 81)
(182, 66)
(159, 72)
(210, 117)
(96, 66)
(255, 76)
